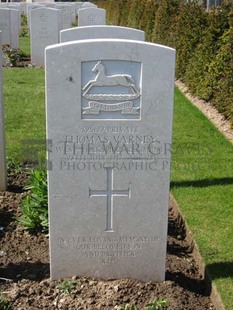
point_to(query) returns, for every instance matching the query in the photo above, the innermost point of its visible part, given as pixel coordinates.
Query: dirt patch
(24, 261)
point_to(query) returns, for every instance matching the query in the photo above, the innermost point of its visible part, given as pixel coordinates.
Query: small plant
(34, 206)
(126, 307)
(24, 32)
(157, 304)
(13, 166)
(66, 286)
(74, 24)
(4, 303)
(13, 55)
(23, 19)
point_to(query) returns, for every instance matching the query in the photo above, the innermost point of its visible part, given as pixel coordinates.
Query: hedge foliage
(203, 41)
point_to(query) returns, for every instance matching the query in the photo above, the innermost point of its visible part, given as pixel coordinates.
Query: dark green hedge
(203, 41)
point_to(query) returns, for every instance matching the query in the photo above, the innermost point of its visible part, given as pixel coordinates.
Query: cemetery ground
(201, 184)
(25, 261)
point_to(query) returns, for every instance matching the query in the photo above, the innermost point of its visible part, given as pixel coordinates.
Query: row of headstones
(46, 24)
(109, 106)
(10, 17)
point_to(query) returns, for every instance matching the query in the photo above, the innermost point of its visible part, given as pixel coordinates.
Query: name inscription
(118, 147)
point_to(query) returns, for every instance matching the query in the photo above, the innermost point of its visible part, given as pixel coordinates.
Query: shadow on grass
(36, 271)
(220, 270)
(202, 183)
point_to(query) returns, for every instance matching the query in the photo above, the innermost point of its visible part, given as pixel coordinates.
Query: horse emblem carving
(119, 102)
(109, 80)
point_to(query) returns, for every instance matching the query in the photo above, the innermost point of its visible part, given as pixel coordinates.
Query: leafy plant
(4, 303)
(157, 304)
(34, 206)
(66, 286)
(24, 32)
(13, 166)
(13, 55)
(23, 19)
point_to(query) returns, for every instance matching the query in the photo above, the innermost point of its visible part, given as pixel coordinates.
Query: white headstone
(91, 16)
(5, 25)
(109, 119)
(30, 7)
(9, 25)
(44, 30)
(99, 32)
(3, 171)
(66, 15)
(16, 6)
(44, 1)
(78, 6)
(88, 5)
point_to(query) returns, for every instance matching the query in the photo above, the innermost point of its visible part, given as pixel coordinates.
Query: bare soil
(24, 269)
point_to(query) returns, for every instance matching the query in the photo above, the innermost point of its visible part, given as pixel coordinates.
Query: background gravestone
(88, 5)
(45, 25)
(91, 16)
(66, 15)
(109, 119)
(30, 7)
(2, 130)
(99, 32)
(9, 26)
(15, 6)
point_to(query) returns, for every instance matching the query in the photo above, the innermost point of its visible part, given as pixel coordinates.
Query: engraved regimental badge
(111, 90)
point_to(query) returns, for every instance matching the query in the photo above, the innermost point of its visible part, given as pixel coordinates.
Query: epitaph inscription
(108, 250)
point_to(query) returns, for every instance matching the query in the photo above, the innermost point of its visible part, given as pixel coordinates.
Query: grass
(24, 99)
(202, 178)
(24, 45)
(201, 168)
(24, 40)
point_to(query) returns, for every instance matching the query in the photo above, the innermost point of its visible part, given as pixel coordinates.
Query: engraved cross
(109, 193)
(91, 17)
(43, 18)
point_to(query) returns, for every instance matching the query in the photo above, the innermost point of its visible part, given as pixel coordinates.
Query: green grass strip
(24, 101)
(202, 169)
(202, 178)
(24, 41)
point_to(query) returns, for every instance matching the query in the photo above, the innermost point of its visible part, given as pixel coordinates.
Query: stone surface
(109, 126)
(99, 32)
(88, 5)
(91, 16)
(5, 25)
(14, 6)
(30, 7)
(44, 30)
(2, 131)
(66, 15)
(9, 25)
